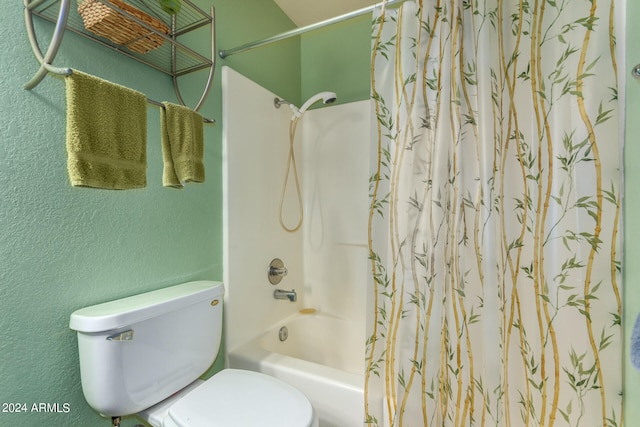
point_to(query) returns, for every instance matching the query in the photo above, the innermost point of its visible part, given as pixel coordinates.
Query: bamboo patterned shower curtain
(495, 216)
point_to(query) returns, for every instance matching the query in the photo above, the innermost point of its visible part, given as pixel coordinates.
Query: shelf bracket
(46, 59)
(212, 67)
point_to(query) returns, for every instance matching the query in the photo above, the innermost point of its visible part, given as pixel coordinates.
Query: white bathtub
(323, 357)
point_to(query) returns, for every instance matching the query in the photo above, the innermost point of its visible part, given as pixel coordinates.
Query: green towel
(106, 134)
(182, 145)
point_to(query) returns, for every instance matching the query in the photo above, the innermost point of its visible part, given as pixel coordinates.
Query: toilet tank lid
(127, 311)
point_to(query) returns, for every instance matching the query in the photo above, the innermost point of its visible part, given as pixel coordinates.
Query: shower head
(325, 97)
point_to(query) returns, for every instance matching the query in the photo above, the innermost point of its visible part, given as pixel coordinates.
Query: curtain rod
(297, 31)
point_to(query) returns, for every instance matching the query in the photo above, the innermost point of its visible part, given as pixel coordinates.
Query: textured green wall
(63, 248)
(631, 208)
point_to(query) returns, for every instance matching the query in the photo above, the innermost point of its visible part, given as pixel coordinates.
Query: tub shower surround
(326, 259)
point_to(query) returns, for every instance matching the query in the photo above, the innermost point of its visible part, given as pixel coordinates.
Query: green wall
(337, 59)
(63, 248)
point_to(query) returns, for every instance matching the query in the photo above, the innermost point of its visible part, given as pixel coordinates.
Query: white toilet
(143, 354)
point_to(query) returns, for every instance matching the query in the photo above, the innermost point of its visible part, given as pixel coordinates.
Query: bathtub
(322, 356)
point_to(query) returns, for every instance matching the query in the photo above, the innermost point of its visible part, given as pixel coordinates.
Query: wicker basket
(104, 21)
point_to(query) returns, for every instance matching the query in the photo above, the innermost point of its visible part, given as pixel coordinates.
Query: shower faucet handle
(277, 271)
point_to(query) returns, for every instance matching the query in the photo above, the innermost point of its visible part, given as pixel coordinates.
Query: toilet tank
(137, 351)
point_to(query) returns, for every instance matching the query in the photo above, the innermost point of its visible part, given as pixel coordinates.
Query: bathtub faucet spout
(281, 294)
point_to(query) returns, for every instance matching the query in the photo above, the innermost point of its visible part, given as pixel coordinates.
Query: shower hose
(291, 164)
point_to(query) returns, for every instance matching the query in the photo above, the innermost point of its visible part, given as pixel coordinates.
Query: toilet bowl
(143, 355)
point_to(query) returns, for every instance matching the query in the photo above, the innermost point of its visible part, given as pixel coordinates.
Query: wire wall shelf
(163, 31)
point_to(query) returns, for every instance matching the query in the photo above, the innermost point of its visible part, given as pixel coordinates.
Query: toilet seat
(239, 398)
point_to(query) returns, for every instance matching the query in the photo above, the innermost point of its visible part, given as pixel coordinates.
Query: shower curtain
(494, 227)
